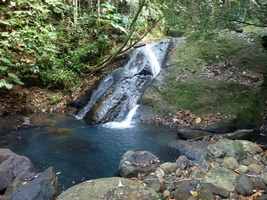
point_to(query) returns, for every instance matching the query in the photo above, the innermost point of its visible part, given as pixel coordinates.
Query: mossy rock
(109, 189)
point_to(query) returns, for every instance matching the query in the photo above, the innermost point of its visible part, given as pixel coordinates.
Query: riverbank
(213, 168)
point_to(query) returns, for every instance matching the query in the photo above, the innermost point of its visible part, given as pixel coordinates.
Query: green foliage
(39, 39)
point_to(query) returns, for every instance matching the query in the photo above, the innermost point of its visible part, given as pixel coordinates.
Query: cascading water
(126, 123)
(155, 66)
(115, 101)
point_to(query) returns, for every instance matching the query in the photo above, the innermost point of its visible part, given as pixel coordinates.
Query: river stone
(240, 134)
(109, 189)
(182, 162)
(244, 186)
(188, 133)
(250, 147)
(168, 167)
(230, 163)
(43, 187)
(195, 150)
(134, 163)
(243, 169)
(258, 182)
(222, 178)
(184, 189)
(226, 147)
(154, 182)
(214, 190)
(13, 166)
(255, 168)
(264, 178)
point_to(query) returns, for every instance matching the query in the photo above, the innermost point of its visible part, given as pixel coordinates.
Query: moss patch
(186, 89)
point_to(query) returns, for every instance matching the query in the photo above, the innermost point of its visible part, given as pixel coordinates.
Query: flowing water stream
(115, 101)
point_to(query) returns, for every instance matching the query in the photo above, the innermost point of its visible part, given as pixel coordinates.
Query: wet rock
(258, 182)
(184, 189)
(182, 162)
(109, 189)
(168, 167)
(242, 169)
(255, 168)
(250, 147)
(205, 193)
(119, 91)
(13, 166)
(192, 150)
(188, 133)
(43, 187)
(222, 178)
(264, 178)
(226, 147)
(134, 163)
(166, 194)
(244, 186)
(230, 163)
(214, 190)
(154, 182)
(240, 134)
(263, 197)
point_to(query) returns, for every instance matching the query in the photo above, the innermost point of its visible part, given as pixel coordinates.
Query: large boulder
(238, 149)
(13, 166)
(222, 178)
(195, 151)
(135, 163)
(109, 189)
(228, 148)
(42, 187)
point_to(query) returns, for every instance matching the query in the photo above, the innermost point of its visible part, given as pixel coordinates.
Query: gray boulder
(222, 178)
(188, 133)
(13, 166)
(244, 186)
(109, 189)
(43, 187)
(195, 150)
(134, 163)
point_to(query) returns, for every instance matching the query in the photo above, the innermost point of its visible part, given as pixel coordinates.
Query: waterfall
(114, 102)
(126, 123)
(155, 66)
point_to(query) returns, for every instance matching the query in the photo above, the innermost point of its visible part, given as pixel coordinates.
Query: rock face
(192, 150)
(13, 166)
(222, 178)
(244, 186)
(43, 187)
(19, 181)
(120, 91)
(134, 163)
(109, 189)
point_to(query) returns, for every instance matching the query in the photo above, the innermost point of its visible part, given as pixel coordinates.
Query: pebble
(244, 186)
(243, 169)
(255, 168)
(166, 194)
(168, 167)
(230, 163)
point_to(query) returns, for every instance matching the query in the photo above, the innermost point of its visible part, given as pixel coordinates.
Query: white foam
(155, 66)
(126, 123)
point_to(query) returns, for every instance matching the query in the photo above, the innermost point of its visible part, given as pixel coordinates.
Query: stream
(82, 152)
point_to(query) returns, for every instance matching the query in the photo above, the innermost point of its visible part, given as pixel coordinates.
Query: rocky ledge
(20, 181)
(212, 169)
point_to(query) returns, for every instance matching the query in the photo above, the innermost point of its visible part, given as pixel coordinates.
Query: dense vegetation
(52, 43)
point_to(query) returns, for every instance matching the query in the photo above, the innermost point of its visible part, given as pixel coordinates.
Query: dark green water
(80, 152)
